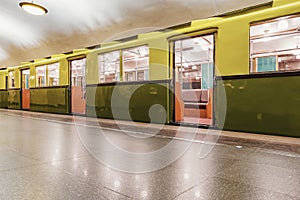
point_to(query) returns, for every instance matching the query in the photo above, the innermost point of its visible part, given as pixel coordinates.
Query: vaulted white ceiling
(73, 24)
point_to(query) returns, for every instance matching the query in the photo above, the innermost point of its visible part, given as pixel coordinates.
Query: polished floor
(46, 156)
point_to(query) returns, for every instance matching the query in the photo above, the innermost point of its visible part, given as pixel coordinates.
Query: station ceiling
(77, 24)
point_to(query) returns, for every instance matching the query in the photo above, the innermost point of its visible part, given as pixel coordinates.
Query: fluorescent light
(33, 8)
(283, 24)
(185, 65)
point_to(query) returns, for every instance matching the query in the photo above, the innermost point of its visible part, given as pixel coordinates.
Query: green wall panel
(269, 105)
(132, 101)
(3, 98)
(14, 100)
(53, 100)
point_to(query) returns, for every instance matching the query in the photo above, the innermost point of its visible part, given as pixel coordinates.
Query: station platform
(51, 156)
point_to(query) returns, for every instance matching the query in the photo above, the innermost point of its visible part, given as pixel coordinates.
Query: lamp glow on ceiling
(32, 8)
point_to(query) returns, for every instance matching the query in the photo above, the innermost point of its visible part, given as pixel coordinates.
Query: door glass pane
(25, 78)
(78, 72)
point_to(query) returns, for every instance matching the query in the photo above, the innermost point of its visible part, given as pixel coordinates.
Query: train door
(78, 86)
(6, 82)
(25, 91)
(193, 79)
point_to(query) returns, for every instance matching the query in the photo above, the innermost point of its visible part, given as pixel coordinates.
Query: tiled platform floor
(47, 156)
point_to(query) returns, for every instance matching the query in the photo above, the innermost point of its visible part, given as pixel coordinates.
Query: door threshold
(206, 126)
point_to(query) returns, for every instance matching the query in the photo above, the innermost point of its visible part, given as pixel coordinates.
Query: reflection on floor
(194, 120)
(48, 156)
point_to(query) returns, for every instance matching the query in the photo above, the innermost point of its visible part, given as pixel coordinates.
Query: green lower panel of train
(138, 102)
(260, 104)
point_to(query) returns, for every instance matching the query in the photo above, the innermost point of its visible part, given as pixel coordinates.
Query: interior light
(185, 65)
(32, 8)
(298, 56)
(200, 41)
(264, 39)
(296, 52)
(283, 24)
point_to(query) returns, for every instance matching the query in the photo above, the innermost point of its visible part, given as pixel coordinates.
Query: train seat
(195, 102)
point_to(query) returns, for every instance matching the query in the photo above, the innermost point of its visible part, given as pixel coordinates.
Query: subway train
(238, 71)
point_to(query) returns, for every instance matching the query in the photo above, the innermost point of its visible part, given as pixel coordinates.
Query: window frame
(46, 81)
(117, 72)
(136, 70)
(276, 53)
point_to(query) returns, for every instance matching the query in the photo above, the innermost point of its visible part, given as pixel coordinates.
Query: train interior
(194, 73)
(275, 45)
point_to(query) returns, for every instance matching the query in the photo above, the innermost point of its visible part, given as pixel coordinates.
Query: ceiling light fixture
(283, 24)
(32, 8)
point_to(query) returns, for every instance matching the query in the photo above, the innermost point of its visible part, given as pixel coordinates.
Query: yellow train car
(228, 71)
(48, 84)
(237, 71)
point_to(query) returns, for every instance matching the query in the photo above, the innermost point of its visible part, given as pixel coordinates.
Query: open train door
(78, 86)
(25, 91)
(193, 65)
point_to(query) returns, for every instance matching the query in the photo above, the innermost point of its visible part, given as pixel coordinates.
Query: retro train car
(49, 84)
(237, 71)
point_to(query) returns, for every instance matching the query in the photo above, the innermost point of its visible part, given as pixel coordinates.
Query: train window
(11, 75)
(41, 76)
(136, 64)
(275, 45)
(109, 67)
(47, 75)
(53, 74)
